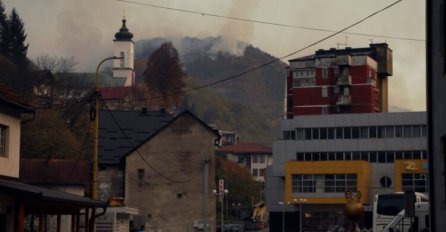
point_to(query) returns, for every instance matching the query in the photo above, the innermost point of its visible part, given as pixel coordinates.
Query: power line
(241, 74)
(268, 23)
(139, 154)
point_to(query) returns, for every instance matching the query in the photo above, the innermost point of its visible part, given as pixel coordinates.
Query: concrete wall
(175, 201)
(111, 183)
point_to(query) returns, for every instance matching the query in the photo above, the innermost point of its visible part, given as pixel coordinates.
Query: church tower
(124, 47)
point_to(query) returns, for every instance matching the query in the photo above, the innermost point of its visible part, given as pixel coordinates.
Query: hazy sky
(85, 30)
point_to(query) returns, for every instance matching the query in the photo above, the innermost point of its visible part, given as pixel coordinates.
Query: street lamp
(301, 202)
(221, 195)
(283, 215)
(237, 209)
(94, 192)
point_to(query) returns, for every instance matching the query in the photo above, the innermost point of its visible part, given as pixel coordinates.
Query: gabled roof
(13, 104)
(137, 126)
(184, 113)
(54, 171)
(251, 148)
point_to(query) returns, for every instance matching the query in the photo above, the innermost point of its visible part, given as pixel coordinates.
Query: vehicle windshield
(390, 204)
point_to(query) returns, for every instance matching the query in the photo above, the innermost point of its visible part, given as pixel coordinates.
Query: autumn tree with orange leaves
(164, 77)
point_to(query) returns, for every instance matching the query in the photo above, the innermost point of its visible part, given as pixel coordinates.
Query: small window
(307, 156)
(390, 132)
(300, 156)
(3, 141)
(372, 131)
(122, 60)
(398, 131)
(315, 133)
(307, 133)
(325, 73)
(364, 132)
(324, 91)
(347, 133)
(336, 71)
(323, 133)
(407, 131)
(255, 172)
(140, 173)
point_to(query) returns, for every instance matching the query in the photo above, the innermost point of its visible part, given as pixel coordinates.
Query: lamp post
(283, 214)
(221, 195)
(301, 202)
(237, 209)
(94, 191)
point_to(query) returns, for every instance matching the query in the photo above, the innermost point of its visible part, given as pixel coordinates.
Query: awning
(42, 200)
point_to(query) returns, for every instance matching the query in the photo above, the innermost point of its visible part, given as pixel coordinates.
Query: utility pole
(94, 178)
(205, 196)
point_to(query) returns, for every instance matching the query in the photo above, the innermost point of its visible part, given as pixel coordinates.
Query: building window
(140, 173)
(261, 159)
(262, 172)
(325, 110)
(385, 182)
(255, 159)
(324, 91)
(241, 159)
(325, 73)
(122, 60)
(304, 77)
(336, 71)
(328, 183)
(255, 172)
(289, 135)
(300, 134)
(364, 132)
(414, 182)
(3, 141)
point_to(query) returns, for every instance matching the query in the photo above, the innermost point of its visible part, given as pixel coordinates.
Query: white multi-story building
(257, 158)
(321, 157)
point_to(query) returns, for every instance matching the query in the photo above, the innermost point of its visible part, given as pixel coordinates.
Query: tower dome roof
(123, 34)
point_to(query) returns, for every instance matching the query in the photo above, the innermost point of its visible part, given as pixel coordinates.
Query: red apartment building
(350, 80)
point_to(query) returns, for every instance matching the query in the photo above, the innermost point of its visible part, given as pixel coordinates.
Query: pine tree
(3, 30)
(16, 49)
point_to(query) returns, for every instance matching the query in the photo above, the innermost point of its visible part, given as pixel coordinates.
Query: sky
(84, 30)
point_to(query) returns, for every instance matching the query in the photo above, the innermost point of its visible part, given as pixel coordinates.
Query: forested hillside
(251, 105)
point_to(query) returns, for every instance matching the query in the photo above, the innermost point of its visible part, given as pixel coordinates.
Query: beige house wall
(9, 165)
(178, 152)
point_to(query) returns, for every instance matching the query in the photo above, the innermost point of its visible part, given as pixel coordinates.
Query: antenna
(345, 44)
(371, 41)
(123, 13)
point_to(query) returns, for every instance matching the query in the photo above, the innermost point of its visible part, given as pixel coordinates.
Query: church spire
(124, 34)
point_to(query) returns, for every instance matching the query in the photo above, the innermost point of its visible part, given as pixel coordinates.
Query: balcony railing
(344, 100)
(344, 80)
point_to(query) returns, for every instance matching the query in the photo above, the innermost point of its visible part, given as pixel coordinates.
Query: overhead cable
(268, 23)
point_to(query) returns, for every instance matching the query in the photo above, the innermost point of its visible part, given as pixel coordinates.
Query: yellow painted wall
(360, 168)
(407, 166)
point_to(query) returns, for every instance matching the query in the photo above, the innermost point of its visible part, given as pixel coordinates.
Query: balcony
(344, 60)
(344, 80)
(344, 100)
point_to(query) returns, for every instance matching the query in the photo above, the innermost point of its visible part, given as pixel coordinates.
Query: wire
(80, 151)
(266, 22)
(241, 74)
(139, 154)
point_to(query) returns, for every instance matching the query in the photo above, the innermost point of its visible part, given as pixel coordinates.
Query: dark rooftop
(138, 126)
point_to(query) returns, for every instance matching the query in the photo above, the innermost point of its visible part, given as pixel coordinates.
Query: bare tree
(55, 64)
